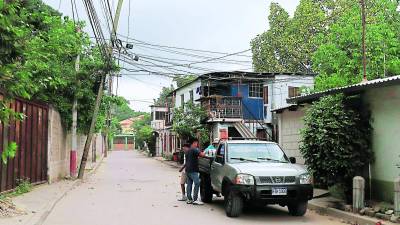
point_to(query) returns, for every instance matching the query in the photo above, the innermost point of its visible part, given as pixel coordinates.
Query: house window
(191, 95)
(182, 100)
(265, 95)
(160, 115)
(294, 91)
(255, 90)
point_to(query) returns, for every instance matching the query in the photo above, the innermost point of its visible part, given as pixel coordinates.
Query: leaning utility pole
(92, 127)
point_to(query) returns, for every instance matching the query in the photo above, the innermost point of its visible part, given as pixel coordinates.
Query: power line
(181, 48)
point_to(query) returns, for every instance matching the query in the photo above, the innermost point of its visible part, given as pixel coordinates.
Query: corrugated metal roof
(348, 90)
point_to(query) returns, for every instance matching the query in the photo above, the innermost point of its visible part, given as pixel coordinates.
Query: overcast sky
(217, 25)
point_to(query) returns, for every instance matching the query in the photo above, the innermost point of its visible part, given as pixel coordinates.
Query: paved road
(132, 189)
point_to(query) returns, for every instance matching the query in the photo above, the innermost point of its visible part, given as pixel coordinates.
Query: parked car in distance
(255, 172)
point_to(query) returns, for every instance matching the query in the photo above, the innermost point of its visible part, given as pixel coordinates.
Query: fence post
(397, 196)
(358, 193)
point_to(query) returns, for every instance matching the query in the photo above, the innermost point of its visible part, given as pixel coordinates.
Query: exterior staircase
(244, 131)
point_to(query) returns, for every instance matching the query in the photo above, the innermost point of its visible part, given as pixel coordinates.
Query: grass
(24, 186)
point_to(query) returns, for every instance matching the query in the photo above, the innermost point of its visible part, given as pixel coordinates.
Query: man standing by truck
(192, 172)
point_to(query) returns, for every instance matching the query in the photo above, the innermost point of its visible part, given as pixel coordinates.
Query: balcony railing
(223, 106)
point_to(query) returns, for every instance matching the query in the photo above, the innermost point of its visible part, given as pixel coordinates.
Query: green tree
(183, 80)
(123, 112)
(38, 60)
(339, 58)
(143, 130)
(335, 141)
(163, 98)
(289, 43)
(188, 122)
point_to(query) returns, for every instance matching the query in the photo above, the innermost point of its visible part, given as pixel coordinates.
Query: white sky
(217, 25)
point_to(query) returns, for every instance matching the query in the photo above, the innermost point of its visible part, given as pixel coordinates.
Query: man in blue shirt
(192, 172)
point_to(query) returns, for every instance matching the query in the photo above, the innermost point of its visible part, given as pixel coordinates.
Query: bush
(338, 191)
(335, 141)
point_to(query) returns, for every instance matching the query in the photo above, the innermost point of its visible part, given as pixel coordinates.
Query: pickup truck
(254, 173)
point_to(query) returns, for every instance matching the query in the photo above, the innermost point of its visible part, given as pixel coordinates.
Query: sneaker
(183, 199)
(189, 201)
(197, 202)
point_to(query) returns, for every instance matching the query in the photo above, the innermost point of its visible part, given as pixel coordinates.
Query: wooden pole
(364, 60)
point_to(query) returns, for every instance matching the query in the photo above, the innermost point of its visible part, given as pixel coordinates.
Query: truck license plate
(279, 191)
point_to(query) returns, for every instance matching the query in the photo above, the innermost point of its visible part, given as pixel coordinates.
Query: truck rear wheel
(206, 191)
(298, 208)
(233, 204)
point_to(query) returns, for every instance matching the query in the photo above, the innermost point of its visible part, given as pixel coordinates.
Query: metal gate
(30, 161)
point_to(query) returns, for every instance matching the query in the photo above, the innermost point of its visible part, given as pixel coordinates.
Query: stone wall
(59, 142)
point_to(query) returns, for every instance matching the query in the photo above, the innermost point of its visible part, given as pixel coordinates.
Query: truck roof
(244, 141)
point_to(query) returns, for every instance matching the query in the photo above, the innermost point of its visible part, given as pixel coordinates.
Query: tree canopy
(37, 60)
(324, 37)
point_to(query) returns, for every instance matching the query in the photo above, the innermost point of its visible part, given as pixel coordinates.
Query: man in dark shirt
(192, 172)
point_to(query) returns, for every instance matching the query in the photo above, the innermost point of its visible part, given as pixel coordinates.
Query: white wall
(157, 124)
(185, 91)
(289, 125)
(278, 91)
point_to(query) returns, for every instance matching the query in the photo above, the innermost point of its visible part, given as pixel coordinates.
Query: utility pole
(92, 127)
(110, 76)
(364, 60)
(74, 146)
(73, 161)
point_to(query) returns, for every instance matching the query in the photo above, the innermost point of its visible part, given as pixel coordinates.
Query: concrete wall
(59, 142)
(384, 105)
(289, 125)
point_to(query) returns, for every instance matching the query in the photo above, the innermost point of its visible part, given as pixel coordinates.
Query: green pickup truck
(254, 172)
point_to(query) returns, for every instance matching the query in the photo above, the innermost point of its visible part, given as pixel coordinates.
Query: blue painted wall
(252, 107)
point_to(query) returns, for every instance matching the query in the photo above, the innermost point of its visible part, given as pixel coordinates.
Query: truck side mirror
(292, 160)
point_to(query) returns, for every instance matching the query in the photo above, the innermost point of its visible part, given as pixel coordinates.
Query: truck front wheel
(206, 190)
(233, 204)
(298, 208)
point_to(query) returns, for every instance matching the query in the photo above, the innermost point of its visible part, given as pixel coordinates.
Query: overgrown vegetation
(188, 123)
(23, 186)
(9, 152)
(335, 141)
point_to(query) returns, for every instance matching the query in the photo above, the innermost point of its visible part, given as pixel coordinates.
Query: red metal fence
(31, 136)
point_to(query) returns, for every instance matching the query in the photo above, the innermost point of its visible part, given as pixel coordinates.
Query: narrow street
(130, 188)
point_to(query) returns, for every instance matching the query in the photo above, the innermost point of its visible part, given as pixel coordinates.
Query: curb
(345, 216)
(74, 184)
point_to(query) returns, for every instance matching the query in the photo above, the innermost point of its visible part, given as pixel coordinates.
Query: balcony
(223, 107)
(158, 124)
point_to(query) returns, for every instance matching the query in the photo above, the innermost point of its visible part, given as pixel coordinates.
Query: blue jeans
(193, 177)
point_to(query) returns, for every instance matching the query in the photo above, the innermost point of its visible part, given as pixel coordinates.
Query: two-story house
(165, 139)
(240, 104)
